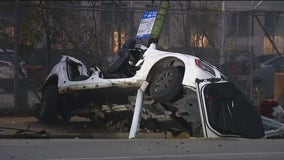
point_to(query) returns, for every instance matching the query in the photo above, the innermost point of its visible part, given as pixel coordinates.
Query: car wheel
(166, 85)
(258, 92)
(48, 108)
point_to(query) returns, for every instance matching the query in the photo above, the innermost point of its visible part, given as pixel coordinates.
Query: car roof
(273, 58)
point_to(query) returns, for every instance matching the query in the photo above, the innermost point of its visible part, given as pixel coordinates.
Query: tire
(49, 104)
(166, 85)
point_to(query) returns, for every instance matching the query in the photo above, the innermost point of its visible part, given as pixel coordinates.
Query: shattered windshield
(230, 112)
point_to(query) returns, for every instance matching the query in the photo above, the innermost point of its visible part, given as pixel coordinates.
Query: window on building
(238, 24)
(199, 40)
(268, 48)
(270, 21)
(115, 41)
(270, 25)
(7, 12)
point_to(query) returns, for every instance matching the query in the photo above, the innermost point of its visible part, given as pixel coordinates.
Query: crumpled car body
(152, 58)
(181, 86)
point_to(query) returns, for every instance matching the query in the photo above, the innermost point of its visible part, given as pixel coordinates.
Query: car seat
(119, 67)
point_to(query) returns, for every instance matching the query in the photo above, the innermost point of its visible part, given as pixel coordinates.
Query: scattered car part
(226, 111)
(25, 133)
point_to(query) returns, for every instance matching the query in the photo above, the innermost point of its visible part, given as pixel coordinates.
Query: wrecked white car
(181, 87)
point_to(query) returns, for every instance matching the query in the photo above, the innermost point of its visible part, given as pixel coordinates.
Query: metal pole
(267, 35)
(137, 111)
(252, 50)
(187, 36)
(252, 42)
(259, 4)
(159, 22)
(222, 34)
(17, 104)
(131, 19)
(119, 24)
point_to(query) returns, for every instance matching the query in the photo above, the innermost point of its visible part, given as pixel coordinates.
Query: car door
(226, 111)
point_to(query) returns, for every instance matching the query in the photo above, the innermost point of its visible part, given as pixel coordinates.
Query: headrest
(129, 44)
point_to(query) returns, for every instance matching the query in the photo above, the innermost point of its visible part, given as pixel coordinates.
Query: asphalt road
(144, 149)
(116, 146)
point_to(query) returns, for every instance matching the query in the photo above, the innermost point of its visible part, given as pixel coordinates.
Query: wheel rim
(163, 82)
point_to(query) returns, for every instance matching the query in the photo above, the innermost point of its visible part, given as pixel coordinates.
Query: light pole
(159, 22)
(222, 33)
